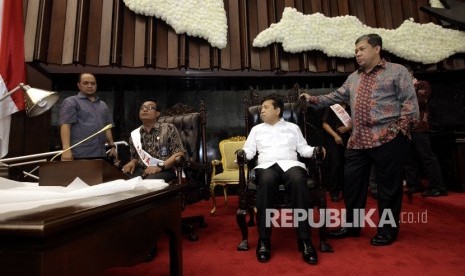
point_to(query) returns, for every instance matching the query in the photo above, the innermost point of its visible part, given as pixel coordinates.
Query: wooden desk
(86, 236)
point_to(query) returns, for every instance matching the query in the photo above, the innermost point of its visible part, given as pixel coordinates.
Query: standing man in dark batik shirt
(383, 106)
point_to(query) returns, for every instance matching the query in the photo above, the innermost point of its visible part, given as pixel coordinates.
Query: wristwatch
(161, 165)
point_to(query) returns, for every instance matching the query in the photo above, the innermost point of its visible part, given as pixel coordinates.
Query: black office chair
(294, 111)
(193, 169)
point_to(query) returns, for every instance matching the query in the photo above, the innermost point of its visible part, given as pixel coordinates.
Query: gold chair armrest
(214, 164)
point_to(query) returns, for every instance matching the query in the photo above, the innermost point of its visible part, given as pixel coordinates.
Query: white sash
(342, 114)
(144, 156)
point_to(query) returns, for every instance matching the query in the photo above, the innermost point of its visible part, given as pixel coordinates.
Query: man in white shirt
(277, 143)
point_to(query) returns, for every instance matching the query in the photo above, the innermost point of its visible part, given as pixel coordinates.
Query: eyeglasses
(85, 83)
(150, 107)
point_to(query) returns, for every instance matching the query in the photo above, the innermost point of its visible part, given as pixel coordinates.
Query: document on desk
(15, 196)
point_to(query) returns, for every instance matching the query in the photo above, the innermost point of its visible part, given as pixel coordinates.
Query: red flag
(12, 66)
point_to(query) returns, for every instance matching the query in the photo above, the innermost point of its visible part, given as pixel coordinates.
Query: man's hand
(129, 167)
(308, 98)
(113, 153)
(67, 156)
(319, 153)
(338, 140)
(343, 129)
(152, 170)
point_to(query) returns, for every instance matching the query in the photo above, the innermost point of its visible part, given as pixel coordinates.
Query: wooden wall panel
(343, 7)
(150, 43)
(161, 56)
(254, 30)
(117, 33)
(57, 27)
(397, 13)
(194, 53)
(128, 38)
(370, 16)
(31, 20)
(258, 21)
(244, 35)
(80, 40)
(94, 38)
(275, 63)
(43, 30)
(106, 32)
(204, 54)
(183, 49)
(139, 41)
(282, 55)
(173, 49)
(231, 55)
(69, 32)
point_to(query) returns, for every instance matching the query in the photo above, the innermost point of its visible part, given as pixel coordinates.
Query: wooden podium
(92, 172)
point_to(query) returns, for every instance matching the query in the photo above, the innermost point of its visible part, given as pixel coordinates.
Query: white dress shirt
(278, 143)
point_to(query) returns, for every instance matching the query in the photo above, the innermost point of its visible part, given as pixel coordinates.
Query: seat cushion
(227, 175)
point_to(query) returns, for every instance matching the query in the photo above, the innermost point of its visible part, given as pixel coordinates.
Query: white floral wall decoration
(335, 36)
(436, 4)
(199, 18)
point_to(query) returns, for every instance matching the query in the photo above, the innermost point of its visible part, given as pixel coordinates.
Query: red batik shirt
(382, 102)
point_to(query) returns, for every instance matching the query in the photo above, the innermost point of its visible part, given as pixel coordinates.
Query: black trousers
(388, 160)
(422, 156)
(295, 181)
(334, 167)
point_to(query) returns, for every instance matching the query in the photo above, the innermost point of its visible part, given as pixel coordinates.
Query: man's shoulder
(71, 98)
(168, 126)
(289, 124)
(395, 66)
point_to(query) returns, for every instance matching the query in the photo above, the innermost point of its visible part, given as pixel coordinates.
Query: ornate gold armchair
(230, 173)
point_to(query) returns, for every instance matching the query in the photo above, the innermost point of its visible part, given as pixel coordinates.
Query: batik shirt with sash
(162, 141)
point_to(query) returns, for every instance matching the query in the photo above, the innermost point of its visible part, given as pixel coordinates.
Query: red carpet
(436, 247)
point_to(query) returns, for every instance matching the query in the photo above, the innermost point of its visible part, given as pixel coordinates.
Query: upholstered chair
(230, 171)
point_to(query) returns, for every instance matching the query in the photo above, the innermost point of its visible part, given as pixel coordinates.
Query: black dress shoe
(344, 232)
(263, 250)
(382, 239)
(433, 193)
(308, 252)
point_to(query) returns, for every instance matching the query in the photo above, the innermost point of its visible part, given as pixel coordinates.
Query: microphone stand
(82, 141)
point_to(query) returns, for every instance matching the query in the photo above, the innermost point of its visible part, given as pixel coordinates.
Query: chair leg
(252, 213)
(212, 193)
(188, 226)
(240, 219)
(323, 231)
(225, 192)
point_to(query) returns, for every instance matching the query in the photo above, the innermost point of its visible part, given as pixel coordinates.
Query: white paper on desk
(152, 184)
(342, 114)
(21, 197)
(6, 183)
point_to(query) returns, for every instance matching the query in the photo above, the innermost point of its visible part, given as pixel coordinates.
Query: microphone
(82, 141)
